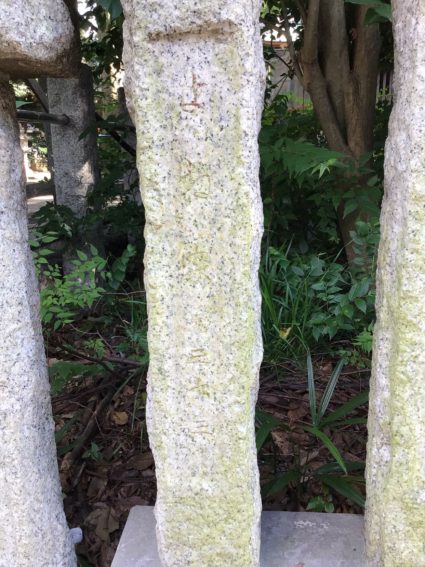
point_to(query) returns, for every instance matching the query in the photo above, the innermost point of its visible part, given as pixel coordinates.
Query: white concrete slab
(289, 539)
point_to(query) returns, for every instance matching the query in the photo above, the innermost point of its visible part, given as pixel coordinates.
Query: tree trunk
(340, 72)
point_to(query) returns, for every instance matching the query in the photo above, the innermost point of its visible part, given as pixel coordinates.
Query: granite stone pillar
(35, 38)
(194, 82)
(395, 514)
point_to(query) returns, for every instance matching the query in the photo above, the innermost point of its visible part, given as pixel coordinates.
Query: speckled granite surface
(36, 38)
(395, 472)
(194, 85)
(33, 529)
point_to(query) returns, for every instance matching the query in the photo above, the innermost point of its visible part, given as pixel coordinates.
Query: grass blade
(266, 424)
(280, 483)
(345, 488)
(330, 468)
(311, 389)
(345, 409)
(329, 390)
(329, 446)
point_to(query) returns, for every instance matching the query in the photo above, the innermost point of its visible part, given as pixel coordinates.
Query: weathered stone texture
(396, 450)
(194, 80)
(74, 157)
(36, 38)
(33, 528)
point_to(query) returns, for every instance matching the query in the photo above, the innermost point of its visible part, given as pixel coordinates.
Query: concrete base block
(289, 539)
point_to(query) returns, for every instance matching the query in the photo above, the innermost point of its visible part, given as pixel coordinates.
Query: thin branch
(276, 56)
(291, 45)
(114, 134)
(302, 10)
(30, 116)
(83, 356)
(36, 88)
(102, 361)
(315, 82)
(310, 50)
(90, 429)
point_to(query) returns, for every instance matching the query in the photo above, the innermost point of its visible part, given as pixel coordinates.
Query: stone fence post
(194, 81)
(36, 38)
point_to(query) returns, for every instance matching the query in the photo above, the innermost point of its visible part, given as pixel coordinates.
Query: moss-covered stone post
(395, 515)
(194, 82)
(35, 38)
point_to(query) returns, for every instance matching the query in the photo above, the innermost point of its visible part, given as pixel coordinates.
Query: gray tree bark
(75, 158)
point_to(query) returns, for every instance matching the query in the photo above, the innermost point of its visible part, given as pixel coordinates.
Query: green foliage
(322, 503)
(322, 423)
(308, 300)
(112, 6)
(317, 413)
(94, 452)
(65, 296)
(102, 40)
(62, 371)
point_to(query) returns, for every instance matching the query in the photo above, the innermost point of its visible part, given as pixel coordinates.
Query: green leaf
(267, 423)
(83, 257)
(311, 389)
(350, 207)
(379, 11)
(329, 446)
(345, 409)
(112, 6)
(330, 468)
(64, 370)
(344, 487)
(329, 390)
(280, 483)
(372, 3)
(378, 15)
(60, 433)
(361, 304)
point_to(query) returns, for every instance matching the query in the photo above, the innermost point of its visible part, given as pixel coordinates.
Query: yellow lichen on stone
(395, 514)
(195, 88)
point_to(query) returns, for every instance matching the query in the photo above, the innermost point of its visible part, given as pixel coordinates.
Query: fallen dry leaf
(105, 521)
(119, 417)
(282, 442)
(297, 413)
(141, 462)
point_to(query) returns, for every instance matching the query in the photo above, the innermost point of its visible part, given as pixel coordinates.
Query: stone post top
(37, 38)
(168, 17)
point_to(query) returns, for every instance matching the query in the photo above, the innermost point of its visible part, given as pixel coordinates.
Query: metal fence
(298, 97)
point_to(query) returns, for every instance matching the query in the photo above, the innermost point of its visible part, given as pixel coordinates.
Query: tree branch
(362, 91)
(315, 83)
(302, 10)
(310, 51)
(333, 47)
(291, 46)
